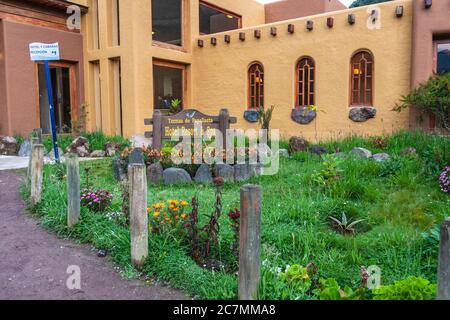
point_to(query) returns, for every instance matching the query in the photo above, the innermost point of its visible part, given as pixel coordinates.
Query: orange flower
(149, 209)
(184, 203)
(177, 217)
(156, 214)
(184, 216)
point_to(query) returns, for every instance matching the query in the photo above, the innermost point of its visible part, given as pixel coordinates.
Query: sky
(346, 2)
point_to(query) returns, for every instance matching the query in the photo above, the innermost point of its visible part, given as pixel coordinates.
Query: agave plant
(345, 226)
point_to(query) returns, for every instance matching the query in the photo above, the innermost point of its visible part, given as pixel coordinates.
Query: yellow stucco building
(140, 55)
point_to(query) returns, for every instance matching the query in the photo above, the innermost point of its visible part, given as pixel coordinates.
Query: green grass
(401, 203)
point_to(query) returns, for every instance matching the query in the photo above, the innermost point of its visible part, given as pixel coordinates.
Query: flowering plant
(235, 223)
(444, 180)
(96, 200)
(167, 216)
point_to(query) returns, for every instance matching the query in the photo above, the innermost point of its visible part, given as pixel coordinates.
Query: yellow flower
(184, 216)
(171, 206)
(184, 203)
(176, 209)
(167, 219)
(156, 214)
(149, 209)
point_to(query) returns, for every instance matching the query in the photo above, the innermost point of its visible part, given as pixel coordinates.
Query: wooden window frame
(73, 89)
(224, 11)
(362, 103)
(184, 31)
(311, 80)
(261, 95)
(436, 43)
(184, 81)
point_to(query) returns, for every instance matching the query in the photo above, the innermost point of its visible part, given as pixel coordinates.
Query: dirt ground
(33, 263)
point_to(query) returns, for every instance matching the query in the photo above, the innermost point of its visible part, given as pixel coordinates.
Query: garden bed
(399, 201)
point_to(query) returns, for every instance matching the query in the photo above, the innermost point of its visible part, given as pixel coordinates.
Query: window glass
(167, 21)
(256, 86)
(361, 74)
(168, 86)
(443, 59)
(213, 20)
(305, 82)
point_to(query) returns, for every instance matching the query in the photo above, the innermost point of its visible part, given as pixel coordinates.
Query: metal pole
(52, 110)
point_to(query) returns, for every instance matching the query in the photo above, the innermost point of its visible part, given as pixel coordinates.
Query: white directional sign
(44, 51)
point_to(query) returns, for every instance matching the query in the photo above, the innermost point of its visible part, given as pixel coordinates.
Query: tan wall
(220, 75)
(4, 118)
(291, 9)
(137, 53)
(427, 23)
(20, 73)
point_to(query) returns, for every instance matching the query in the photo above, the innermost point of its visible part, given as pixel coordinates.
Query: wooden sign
(164, 127)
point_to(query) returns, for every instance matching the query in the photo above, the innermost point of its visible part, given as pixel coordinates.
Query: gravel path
(33, 263)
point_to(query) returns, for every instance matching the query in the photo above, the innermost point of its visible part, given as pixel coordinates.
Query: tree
(432, 96)
(360, 3)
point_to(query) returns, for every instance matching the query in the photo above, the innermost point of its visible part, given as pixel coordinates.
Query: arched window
(362, 67)
(256, 86)
(305, 78)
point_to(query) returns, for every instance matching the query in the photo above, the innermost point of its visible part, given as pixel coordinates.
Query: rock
(303, 115)
(408, 151)
(264, 152)
(176, 176)
(25, 149)
(362, 114)
(97, 154)
(225, 171)
(283, 153)
(251, 116)
(102, 253)
(111, 149)
(380, 157)
(297, 144)
(243, 172)
(155, 173)
(79, 146)
(136, 156)
(318, 150)
(204, 174)
(362, 152)
(51, 154)
(8, 146)
(119, 169)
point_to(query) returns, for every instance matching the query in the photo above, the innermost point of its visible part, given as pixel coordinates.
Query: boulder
(79, 146)
(8, 146)
(243, 172)
(362, 152)
(176, 176)
(408, 151)
(111, 149)
(318, 150)
(362, 114)
(119, 169)
(380, 157)
(204, 174)
(283, 153)
(155, 173)
(25, 149)
(251, 116)
(225, 171)
(97, 154)
(303, 115)
(298, 144)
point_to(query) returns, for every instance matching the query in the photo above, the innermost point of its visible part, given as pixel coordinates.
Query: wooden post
(157, 130)
(250, 240)
(138, 213)
(37, 167)
(444, 262)
(34, 141)
(224, 125)
(73, 190)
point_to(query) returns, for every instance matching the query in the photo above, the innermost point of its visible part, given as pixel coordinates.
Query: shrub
(96, 201)
(329, 289)
(413, 288)
(330, 171)
(296, 276)
(390, 167)
(433, 97)
(444, 180)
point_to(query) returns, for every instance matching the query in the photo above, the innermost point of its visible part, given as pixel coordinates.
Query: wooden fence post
(250, 240)
(138, 213)
(73, 190)
(444, 262)
(37, 167)
(157, 130)
(224, 125)
(33, 142)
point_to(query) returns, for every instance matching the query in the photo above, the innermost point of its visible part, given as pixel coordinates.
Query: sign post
(48, 52)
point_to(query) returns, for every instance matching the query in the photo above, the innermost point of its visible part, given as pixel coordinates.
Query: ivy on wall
(360, 3)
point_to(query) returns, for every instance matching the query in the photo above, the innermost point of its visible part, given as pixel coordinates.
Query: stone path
(33, 263)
